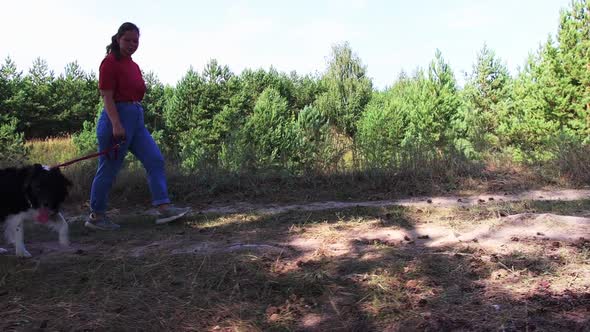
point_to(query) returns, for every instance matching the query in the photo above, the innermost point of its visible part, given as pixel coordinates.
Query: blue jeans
(137, 140)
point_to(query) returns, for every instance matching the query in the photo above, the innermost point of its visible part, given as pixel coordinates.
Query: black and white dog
(32, 193)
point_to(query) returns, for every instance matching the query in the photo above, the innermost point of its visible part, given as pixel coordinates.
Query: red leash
(114, 148)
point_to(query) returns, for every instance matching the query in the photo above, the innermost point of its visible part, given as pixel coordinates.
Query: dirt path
(443, 201)
(430, 265)
(502, 233)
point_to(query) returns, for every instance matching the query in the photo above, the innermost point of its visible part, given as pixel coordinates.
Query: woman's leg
(146, 150)
(109, 165)
(107, 171)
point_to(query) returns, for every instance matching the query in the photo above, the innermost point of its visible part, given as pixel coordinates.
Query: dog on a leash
(32, 193)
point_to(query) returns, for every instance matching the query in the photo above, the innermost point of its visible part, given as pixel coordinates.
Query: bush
(85, 140)
(12, 144)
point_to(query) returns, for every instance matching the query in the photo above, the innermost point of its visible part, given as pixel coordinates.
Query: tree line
(266, 119)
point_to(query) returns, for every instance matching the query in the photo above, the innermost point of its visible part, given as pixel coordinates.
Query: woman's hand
(118, 132)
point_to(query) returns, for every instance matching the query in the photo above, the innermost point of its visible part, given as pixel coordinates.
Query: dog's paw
(3, 251)
(23, 253)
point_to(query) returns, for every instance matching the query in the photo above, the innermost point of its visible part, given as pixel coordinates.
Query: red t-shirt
(123, 77)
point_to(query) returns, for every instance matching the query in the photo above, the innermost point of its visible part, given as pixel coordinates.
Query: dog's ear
(30, 172)
(58, 172)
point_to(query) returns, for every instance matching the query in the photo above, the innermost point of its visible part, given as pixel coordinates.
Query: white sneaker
(103, 223)
(171, 213)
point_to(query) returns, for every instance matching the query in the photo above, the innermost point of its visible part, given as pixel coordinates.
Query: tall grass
(51, 151)
(409, 173)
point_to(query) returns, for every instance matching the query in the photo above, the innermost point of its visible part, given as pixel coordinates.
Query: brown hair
(114, 47)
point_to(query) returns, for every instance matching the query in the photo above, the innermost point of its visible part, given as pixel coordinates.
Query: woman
(122, 88)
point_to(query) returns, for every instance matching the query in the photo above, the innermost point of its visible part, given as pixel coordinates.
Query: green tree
(33, 99)
(572, 65)
(153, 102)
(488, 96)
(347, 89)
(447, 103)
(268, 138)
(190, 114)
(74, 98)
(12, 145)
(10, 84)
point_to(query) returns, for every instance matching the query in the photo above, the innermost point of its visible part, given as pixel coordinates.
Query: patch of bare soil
(444, 201)
(333, 266)
(505, 232)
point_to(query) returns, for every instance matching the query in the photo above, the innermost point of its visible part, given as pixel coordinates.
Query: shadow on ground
(294, 271)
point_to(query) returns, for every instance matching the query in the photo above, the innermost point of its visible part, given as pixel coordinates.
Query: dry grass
(322, 279)
(296, 270)
(51, 151)
(418, 176)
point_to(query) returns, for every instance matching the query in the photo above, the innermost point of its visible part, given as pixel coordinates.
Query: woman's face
(129, 42)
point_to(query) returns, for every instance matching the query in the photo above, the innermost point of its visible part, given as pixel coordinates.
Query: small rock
(475, 240)
(540, 234)
(423, 237)
(500, 274)
(481, 200)
(429, 201)
(490, 199)
(274, 317)
(422, 302)
(407, 238)
(515, 239)
(556, 244)
(272, 310)
(460, 200)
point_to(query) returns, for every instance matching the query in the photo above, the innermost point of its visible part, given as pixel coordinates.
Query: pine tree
(488, 97)
(348, 89)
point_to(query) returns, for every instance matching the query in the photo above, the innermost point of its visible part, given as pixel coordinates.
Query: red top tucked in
(123, 77)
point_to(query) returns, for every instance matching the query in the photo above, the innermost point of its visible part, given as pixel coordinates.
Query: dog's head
(46, 189)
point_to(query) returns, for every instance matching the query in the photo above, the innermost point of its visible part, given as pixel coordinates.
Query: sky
(387, 35)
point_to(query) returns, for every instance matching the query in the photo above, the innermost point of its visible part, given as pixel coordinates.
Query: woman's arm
(109, 104)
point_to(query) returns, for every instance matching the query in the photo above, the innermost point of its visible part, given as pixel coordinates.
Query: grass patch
(110, 284)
